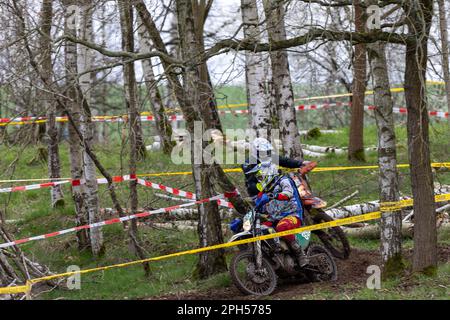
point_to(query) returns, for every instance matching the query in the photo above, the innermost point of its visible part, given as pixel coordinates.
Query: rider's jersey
(278, 209)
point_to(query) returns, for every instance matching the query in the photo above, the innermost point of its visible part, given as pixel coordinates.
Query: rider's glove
(261, 201)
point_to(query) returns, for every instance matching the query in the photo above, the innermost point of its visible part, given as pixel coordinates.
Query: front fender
(238, 236)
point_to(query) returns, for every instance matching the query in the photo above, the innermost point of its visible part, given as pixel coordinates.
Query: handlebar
(308, 167)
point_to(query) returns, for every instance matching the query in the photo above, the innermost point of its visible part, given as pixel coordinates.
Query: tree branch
(311, 35)
(120, 54)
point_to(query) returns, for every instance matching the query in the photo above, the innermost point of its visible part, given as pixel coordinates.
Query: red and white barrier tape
(303, 107)
(30, 120)
(178, 192)
(113, 221)
(21, 119)
(74, 183)
(33, 186)
(115, 179)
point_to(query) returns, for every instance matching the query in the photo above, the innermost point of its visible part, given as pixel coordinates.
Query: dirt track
(352, 275)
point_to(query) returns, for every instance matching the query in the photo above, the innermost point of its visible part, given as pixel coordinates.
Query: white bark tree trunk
(135, 134)
(163, 126)
(75, 149)
(54, 164)
(185, 103)
(209, 227)
(356, 135)
(170, 99)
(258, 102)
(90, 191)
(391, 222)
(283, 91)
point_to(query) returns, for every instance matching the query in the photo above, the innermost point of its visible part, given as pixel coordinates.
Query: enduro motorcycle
(334, 239)
(255, 269)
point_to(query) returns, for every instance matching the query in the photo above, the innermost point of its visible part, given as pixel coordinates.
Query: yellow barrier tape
(335, 223)
(13, 123)
(16, 289)
(398, 205)
(318, 169)
(369, 92)
(234, 170)
(441, 83)
(236, 105)
(325, 225)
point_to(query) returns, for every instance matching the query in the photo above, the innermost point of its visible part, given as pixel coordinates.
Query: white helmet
(261, 148)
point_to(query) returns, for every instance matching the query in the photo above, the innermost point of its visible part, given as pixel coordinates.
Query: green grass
(175, 275)
(411, 287)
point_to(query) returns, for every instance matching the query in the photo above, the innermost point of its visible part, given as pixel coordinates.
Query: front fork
(257, 245)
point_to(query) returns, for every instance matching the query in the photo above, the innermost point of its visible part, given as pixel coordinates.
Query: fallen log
(321, 149)
(373, 231)
(305, 132)
(313, 154)
(183, 225)
(353, 210)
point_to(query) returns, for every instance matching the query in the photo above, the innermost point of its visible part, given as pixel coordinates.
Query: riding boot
(299, 253)
(277, 247)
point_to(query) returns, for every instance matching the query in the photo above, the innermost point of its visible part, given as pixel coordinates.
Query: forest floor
(351, 283)
(29, 213)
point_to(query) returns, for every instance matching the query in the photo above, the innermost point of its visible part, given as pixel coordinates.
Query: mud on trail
(351, 275)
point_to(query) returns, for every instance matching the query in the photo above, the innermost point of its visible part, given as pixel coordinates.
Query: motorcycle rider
(260, 152)
(278, 197)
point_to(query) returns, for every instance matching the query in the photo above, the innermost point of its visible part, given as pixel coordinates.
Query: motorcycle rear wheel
(247, 279)
(334, 239)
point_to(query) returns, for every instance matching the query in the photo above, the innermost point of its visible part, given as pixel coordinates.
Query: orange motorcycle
(334, 239)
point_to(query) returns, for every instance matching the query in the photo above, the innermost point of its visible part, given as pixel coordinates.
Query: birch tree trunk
(356, 143)
(170, 98)
(54, 164)
(90, 190)
(391, 222)
(209, 227)
(281, 81)
(183, 100)
(163, 126)
(419, 17)
(126, 16)
(258, 107)
(445, 52)
(208, 102)
(126, 22)
(75, 148)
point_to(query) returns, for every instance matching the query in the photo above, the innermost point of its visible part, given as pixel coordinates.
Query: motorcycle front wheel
(323, 264)
(249, 280)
